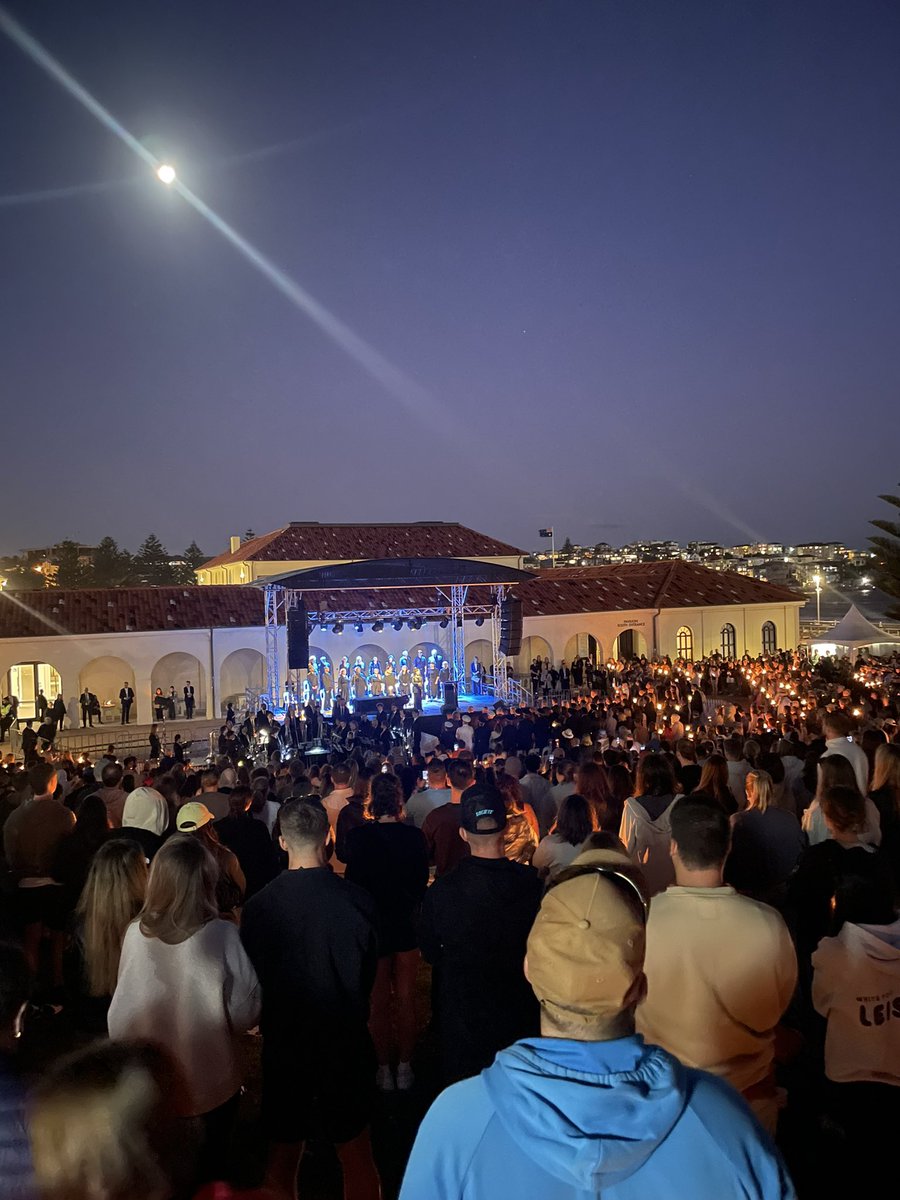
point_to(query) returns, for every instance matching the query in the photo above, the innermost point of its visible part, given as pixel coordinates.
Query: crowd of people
(658, 914)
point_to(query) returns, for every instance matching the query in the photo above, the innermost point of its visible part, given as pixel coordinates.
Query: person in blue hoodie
(587, 1109)
(16, 1175)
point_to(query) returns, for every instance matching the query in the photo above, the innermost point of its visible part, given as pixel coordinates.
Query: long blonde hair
(763, 790)
(887, 771)
(181, 893)
(111, 899)
(104, 1125)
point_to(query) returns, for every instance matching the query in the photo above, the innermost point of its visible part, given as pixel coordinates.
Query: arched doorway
(242, 671)
(484, 652)
(104, 677)
(630, 643)
(532, 647)
(583, 645)
(24, 681)
(175, 670)
(367, 651)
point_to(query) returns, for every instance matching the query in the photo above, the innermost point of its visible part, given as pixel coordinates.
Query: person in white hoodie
(836, 770)
(185, 982)
(646, 830)
(836, 727)
(856, 988)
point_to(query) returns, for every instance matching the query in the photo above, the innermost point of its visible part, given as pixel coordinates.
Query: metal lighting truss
(274, 607)
(501, 675)
(458, 595)
(279, 599)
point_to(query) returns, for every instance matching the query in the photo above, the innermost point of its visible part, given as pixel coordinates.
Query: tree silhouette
(887, 546)
(194, 556)
(71, 571)
(152, 565)
(112, 566)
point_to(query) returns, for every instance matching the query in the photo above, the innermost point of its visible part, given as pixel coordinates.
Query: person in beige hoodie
(721, 968)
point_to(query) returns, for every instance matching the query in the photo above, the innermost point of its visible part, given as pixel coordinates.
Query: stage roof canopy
(396, 573)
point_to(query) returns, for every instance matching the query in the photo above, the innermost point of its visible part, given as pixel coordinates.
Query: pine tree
(194, 556)
(112, 566)
(152, 566)
(71, 571)
(887, 547)
(249, 535)
(567, 547)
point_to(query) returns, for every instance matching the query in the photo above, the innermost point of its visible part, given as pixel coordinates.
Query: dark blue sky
(644, 256)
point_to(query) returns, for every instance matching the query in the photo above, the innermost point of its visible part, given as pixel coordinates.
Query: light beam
(412, 395)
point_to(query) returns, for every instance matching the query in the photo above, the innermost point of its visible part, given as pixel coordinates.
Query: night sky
(636, 262)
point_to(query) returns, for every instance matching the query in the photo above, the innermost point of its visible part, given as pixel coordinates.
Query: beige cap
(193, 815)
(586, 947)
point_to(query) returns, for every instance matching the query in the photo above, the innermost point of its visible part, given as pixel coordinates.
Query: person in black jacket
(390, 860)
(249, 840)
(823, 868)
(312, 939)
(474, 929)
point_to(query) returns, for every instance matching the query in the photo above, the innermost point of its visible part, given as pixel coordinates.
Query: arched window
(769, 638)
(684, 643)
(729, 641)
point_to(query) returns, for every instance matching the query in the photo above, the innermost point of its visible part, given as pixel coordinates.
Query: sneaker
(405, 1077)
(384, 1079)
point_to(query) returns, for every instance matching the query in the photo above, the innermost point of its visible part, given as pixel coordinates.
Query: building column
(143, 698)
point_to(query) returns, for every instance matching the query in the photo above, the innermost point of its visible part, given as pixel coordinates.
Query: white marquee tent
(854, 632)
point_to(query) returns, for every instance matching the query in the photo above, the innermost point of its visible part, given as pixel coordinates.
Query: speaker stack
(297, 638)
(511, 627)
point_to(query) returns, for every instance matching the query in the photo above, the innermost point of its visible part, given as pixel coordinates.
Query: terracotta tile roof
(551, 592)
(618, 588)
(120, 610)
(308, 541)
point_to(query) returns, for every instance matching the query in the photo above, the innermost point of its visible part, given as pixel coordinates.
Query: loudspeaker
(511, 626)
(297, 638)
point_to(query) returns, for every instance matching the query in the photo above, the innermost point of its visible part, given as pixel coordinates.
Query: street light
(817, 580)
(165, 173)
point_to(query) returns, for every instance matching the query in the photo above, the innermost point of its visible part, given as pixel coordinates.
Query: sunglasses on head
(619, 879)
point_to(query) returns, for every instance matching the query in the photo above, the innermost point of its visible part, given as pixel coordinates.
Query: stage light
(337, 627)
(359, 627)
(378, 626)
(444, 623)
(166, 173)
(479, 621)
(398, 625)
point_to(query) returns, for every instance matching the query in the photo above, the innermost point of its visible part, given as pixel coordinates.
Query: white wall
(142, 651)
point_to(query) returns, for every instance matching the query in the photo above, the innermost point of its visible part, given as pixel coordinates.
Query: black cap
(483, 809)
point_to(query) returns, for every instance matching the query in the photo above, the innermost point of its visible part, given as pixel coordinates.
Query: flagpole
(552, 546)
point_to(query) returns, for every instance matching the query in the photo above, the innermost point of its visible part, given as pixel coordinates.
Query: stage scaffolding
(456, 609)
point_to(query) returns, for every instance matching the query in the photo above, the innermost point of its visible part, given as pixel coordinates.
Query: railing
(134, 739)
(516, 691)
